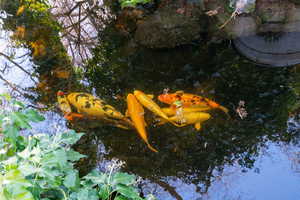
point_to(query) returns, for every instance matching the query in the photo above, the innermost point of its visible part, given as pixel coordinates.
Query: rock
(170, 26)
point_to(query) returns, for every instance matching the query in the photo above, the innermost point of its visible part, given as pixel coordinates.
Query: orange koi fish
(136, 113)
(189, 100)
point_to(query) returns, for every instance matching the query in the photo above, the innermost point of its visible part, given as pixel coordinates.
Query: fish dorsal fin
(198, 126)
(179, 92)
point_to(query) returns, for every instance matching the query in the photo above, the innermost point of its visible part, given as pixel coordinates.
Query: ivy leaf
(34, 115)
(128, 192)
(123, 178)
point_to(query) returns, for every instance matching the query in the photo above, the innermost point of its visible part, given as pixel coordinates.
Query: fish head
(138, 93)
(60, 93)
(166, 98)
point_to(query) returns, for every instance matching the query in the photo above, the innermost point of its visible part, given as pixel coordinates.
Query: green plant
(41, 166)
(132, 3)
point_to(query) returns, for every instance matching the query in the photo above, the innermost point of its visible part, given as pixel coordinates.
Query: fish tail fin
(152, 148)
(225, 110)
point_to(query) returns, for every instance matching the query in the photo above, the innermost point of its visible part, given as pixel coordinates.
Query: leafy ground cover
(41, 166)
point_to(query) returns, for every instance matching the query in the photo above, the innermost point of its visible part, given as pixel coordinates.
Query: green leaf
(104, 192)
(57, 158)
(11, 132)
(15, 176)
(28, 169)
(87, 194)
(20, 120)
(6, 96)
(120, 197)
(123, 178)
(127, 191)
(96, 177)
(74, 155)
(72, 180)
(70, 137)
(34, 115)
(18, 104)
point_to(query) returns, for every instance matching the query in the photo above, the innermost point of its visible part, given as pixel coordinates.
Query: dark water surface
(255, 157)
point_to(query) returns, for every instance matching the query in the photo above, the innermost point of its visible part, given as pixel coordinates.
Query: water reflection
(185, 156)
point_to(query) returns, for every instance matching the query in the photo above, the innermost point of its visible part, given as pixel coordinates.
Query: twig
(11, 85)
(19, 66)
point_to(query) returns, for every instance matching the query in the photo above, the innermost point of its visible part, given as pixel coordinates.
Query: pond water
(253, 156)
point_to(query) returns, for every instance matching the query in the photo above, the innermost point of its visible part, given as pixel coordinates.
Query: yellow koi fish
(136, 113)
(195, 118)
(171, 111)
(146, 101)
(65, 107)
(91, 107)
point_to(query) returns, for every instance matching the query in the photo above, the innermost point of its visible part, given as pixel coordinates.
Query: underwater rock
(170, 26)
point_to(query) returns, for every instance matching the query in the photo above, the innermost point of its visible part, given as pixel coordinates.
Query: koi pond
(251, 152)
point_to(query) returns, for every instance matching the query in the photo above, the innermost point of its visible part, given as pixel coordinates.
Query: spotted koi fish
(180, 98)
(87, 105)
